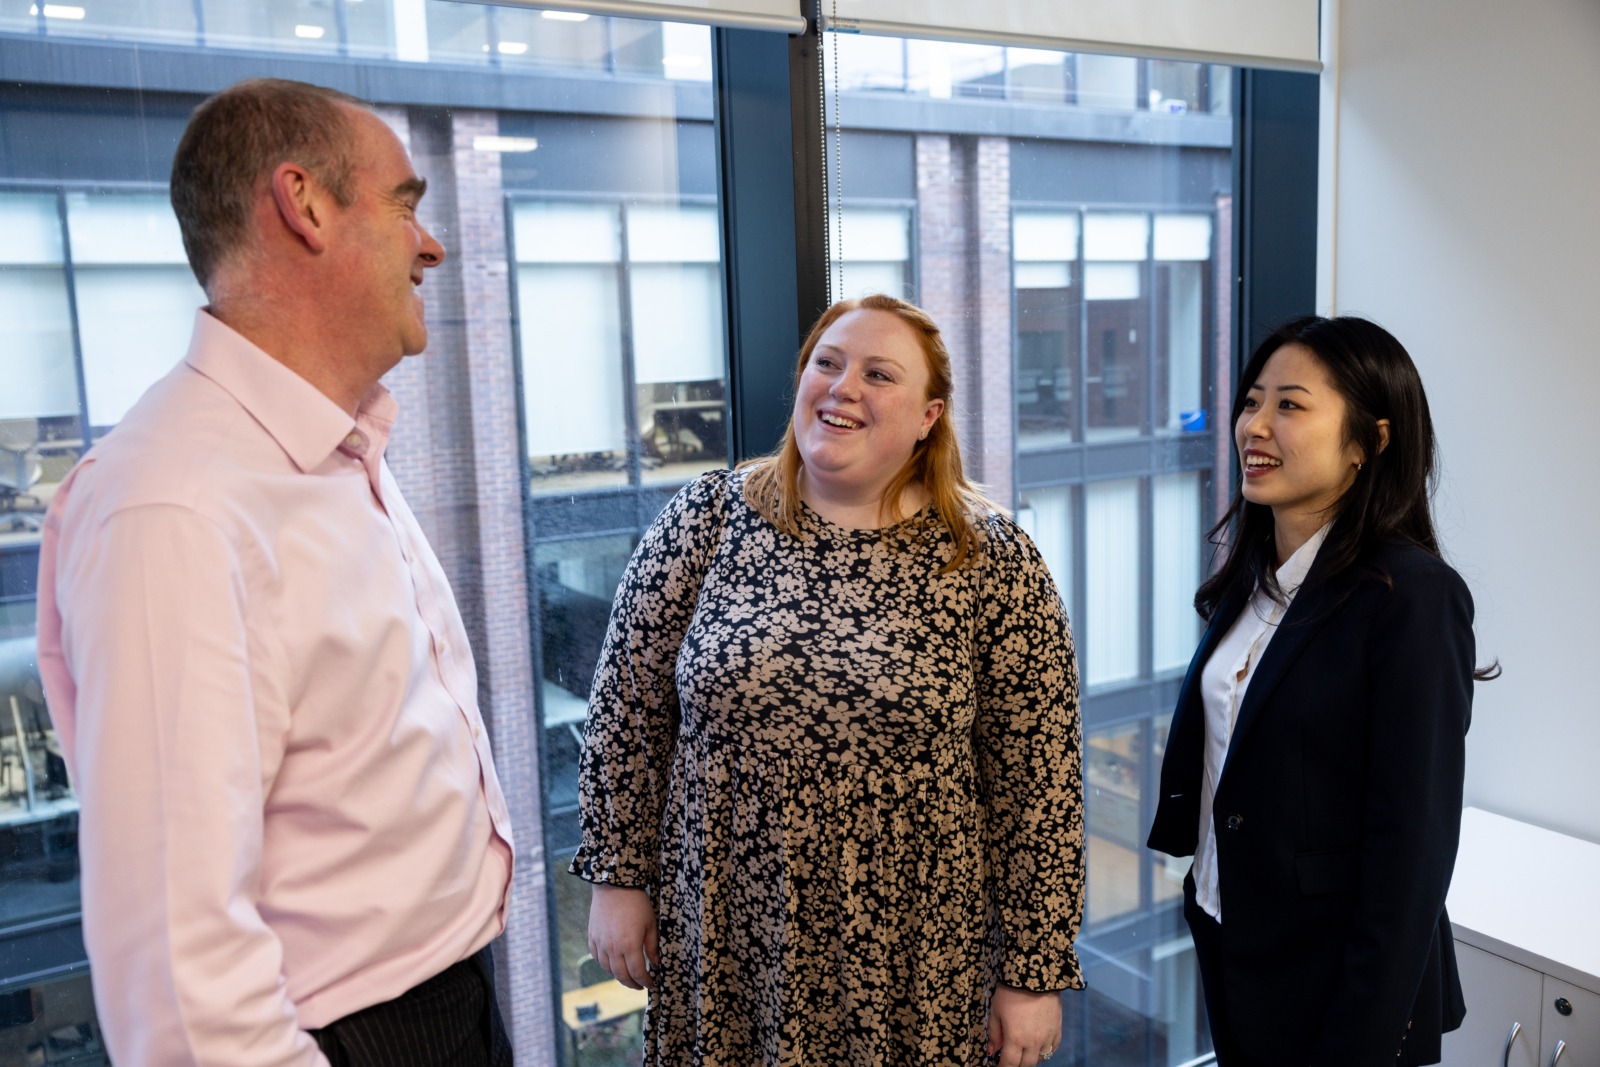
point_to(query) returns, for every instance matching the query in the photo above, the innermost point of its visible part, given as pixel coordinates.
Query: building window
(1076, 277)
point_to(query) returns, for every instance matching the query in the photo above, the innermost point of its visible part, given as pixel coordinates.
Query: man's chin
(415, 342)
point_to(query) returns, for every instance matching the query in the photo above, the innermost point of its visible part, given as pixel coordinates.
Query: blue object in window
(1192, 421)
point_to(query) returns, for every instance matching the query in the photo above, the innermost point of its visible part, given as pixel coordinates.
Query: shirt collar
(306, 424)
(1293, 572)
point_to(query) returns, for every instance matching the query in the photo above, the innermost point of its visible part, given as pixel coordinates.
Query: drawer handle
(1505, 1057)
(1561, 1046)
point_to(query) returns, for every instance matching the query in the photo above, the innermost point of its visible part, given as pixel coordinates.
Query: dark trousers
(451, 1020)
(1208, 953)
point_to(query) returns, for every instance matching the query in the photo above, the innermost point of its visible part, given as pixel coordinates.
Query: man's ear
(302, 205)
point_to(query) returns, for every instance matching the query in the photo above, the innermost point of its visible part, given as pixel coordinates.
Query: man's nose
(432, 253)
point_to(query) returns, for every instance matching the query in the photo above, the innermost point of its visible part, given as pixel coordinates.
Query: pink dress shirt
(265, 697)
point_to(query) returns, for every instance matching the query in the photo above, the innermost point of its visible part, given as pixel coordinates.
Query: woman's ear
(1383, 434)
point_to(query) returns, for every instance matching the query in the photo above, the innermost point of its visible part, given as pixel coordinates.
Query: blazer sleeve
(1422, 654)
(630, 736)
(1028, 745)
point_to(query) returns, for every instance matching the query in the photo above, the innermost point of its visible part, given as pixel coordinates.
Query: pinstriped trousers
(451, 1020)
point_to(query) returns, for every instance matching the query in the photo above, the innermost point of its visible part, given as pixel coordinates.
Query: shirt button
(1235, 821)
(477, 732)
(354, 441)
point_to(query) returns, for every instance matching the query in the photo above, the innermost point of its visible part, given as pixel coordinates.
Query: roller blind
(781, 15)
(1278, 34)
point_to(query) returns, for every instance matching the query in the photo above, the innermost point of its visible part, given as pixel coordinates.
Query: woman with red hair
(831, 793)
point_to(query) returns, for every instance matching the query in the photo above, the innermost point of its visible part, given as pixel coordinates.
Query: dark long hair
(1393, 490)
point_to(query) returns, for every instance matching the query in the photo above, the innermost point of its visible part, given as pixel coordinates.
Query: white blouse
(1223, 682)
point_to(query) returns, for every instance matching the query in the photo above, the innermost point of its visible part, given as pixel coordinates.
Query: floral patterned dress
(852, 784)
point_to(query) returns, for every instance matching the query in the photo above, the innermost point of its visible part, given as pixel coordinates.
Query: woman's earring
(923, 436)
(1358, 467)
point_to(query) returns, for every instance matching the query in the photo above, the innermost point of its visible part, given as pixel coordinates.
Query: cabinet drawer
(1498, 993)
(1579, 1026)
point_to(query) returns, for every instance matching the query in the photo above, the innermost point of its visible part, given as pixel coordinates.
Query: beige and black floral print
(852, 784)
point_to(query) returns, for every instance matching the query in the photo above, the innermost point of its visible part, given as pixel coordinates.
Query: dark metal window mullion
(69, 275)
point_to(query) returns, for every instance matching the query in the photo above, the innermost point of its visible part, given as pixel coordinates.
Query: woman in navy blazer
(1315, 759)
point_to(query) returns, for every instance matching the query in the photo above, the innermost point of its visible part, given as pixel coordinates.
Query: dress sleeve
(1029, 745)
(632, 728)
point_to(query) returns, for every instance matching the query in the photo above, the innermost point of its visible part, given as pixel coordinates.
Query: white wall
(1464, 215)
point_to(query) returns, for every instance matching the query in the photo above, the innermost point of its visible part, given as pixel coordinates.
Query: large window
(96, 302)
(1074, 255)
(622, 357)
(1066, 218)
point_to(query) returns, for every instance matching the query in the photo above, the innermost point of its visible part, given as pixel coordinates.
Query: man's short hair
(235, 140)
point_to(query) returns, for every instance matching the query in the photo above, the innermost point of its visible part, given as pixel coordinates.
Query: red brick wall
(964, 276)
(455, 453)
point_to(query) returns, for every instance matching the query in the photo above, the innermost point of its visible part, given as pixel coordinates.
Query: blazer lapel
(1188, 725)
(1300, 624)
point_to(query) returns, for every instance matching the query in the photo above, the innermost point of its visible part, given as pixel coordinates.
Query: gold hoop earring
(1358, 467)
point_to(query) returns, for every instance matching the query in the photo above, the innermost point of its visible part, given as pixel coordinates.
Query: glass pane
(135, 324)
(1112, 777)
(1046, 516)
(51, 1023)
(872, 252)
(166, 21)
(279, 25)
(1111, 512)
(1175, 571)
(456, 33)
(572, 375)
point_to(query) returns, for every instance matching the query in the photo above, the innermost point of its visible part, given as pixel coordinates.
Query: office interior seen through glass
(1067, 219)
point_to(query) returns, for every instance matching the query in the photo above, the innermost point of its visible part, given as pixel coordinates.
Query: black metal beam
(767, 234)
(1276, 209)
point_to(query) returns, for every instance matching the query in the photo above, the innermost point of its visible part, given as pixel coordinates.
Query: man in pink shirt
(294, 847)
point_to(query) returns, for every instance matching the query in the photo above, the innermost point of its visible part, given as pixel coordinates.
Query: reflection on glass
(1045, 251)
(455, 33)
(166, 21)
(277, 25)
(371, 27)
(1175, 571)
(872, 252)
(1039, 76)
(1111, 534)
(136, 296)
(38, 809)
(576, 582)
(1108, 82)
(1115, 246)
(1111, 789)
(51, 1023)
(1045, 515)
(1182, 247)
(569, 314)
(676, 301)
(1177, 88)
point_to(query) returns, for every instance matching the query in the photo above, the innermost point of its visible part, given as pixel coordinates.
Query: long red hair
(773, 486)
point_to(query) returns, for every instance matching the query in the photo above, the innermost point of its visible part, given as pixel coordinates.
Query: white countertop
(1530, 895)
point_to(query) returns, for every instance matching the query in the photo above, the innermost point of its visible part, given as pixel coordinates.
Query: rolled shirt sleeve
(172, 761)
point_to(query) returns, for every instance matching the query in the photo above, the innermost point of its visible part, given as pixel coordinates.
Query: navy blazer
(1337, 816)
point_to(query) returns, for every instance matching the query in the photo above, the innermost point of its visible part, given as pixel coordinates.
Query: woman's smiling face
(863, 403)
(1291, 436)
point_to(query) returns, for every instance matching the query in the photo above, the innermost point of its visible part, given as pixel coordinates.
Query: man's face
(381, 248)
